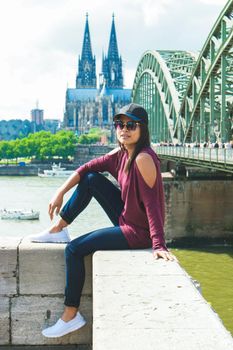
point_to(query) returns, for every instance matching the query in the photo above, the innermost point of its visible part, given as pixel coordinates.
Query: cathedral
(88, 106)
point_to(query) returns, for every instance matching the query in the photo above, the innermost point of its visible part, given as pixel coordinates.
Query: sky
(40, 41)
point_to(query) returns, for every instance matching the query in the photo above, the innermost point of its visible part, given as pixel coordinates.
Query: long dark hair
(144, 141)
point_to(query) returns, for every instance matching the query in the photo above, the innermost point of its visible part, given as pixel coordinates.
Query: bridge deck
(215, 158)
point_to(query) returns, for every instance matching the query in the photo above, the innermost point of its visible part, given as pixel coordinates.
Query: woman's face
(125, 136)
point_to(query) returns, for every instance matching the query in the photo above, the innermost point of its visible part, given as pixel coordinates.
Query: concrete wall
(136, 301)
(198, 210)
(84, 153)
(32, 280)
(15, 170)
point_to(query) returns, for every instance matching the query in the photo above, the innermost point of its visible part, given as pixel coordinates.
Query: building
(37, 119)
(52, 125)
(37, 116)
(38, 122)
(87, 105)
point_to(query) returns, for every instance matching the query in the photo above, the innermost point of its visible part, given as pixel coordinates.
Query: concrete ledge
(141, 303)
(138, 302)
(45, 265)
(30, 314)
(8, 266)
(4, 321)
(32, 281)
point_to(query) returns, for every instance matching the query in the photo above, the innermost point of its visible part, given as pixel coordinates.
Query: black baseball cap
(135, 112)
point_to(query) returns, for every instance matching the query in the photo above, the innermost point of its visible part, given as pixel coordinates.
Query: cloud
(214, 2)
(41, 41)
(154, 11)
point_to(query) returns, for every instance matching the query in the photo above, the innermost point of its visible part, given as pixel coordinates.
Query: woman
(136, 209)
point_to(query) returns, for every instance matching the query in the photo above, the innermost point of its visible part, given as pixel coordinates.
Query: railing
(219, 158)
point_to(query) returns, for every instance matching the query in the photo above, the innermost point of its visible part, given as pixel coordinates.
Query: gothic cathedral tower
(86, 78)
(86, 105)
(111, 74)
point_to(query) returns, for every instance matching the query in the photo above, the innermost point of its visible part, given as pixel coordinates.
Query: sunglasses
(131, 125)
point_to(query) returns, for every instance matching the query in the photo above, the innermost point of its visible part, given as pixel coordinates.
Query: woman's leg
(95, 185)
(110, 238)
(76, 250)
(98, 186)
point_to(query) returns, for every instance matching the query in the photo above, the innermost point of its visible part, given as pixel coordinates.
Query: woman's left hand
(164, 254)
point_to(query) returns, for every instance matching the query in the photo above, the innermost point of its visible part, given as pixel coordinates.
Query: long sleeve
(152, 200)
(108, 162)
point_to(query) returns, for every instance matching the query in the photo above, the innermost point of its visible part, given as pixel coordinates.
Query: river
(211, 266)
(35, 193)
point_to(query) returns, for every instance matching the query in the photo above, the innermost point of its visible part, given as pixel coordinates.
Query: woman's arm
(107, 162)
(148, 171)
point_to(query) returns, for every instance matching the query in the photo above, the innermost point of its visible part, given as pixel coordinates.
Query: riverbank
(84, 153)
(30, 169)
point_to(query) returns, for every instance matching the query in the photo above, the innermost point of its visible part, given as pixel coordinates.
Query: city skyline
(41, 42)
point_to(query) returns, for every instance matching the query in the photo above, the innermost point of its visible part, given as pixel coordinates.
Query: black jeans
(111, 238)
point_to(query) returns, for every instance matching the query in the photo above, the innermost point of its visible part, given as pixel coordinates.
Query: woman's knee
(72, 250)
(86, 180)
(92, 177)
(68, 251)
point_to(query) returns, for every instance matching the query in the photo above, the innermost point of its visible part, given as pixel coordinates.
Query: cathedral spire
(112, 64)
(86, 77)
(86, 50)
(113, 48)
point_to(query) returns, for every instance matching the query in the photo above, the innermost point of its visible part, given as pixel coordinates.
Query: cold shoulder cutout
(147, 168)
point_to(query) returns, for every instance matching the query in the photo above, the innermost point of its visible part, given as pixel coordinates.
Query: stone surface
(198, 209)
(31, 314)
(42, 269)
(139, 302)
(147, 339)
(8, 266)
(139, 262)
(4, 320)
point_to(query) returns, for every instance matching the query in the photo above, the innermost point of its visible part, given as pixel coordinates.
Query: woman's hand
(164, 254)
(55, 205)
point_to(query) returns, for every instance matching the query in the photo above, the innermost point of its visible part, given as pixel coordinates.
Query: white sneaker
(62, 328)
(47, 237)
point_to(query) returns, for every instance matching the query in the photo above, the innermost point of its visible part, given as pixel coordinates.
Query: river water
(211, 266)
(35, 193)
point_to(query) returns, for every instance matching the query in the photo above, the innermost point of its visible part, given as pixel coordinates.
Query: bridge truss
(189, 97)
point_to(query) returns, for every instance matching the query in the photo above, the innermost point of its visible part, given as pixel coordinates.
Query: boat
(19, 214)
(56, 171)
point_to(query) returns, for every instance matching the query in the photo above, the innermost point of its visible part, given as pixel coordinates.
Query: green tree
(41, 145)
(6, 150)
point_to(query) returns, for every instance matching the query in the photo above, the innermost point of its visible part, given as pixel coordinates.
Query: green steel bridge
(189, 96)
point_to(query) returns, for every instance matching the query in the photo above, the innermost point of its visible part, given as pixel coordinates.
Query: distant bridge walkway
(215, 158)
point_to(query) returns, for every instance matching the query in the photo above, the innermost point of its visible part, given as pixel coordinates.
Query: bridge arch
(207, 106)
(189, 97)
(160, 81)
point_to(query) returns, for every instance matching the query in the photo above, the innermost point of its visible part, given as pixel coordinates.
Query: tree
(6, 150)
(40, 145)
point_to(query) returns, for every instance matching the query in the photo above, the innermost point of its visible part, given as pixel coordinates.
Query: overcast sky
(40, 41)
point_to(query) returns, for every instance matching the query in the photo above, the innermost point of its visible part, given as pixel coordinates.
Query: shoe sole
(70, 330)
(50, 240)
(55, 241)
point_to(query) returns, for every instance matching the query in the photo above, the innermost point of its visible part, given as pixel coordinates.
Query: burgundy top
(142, 219)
